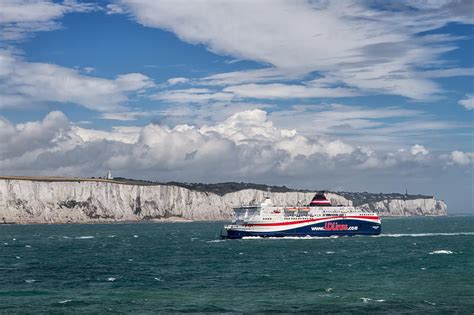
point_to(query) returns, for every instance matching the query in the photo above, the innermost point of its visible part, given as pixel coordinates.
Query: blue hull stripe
(355, 227)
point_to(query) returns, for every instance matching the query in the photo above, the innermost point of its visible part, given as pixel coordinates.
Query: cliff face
(399, 207)
(28, 201)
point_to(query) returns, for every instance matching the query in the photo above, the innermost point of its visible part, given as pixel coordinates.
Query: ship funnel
(319, 200)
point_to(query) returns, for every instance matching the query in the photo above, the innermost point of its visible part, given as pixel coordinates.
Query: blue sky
(356, 95)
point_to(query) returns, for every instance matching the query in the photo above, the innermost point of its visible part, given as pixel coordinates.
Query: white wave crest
(367, 300)
(215, 241)
(441, 251)
(64, 301)
(84, 237)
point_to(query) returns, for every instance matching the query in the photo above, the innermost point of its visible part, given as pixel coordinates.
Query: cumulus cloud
(418, 149)
(351, 44)
(467, 102)
(245, 146)
(123, 134)
(24, 83)
(17, 140)
(462, 158)
(382, 128)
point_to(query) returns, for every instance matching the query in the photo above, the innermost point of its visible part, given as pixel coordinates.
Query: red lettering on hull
(332, 226)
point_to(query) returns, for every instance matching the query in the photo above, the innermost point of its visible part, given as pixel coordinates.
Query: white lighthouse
(109, 175)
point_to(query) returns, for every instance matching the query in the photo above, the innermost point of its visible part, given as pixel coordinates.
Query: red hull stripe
(312, 220)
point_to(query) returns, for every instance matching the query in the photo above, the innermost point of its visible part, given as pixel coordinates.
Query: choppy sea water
(418, 265)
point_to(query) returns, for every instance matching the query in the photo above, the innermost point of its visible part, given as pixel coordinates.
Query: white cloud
(446, 73)
(25, 83)
(179, 80)
(382, 128)
(258, 91)
(203, 113)
(246, 144)
(462, 158)
(133, 82)
(88, 69)
(17, 140)
(351, 44)
(192, 95)
(114, 9)
(247, 76)
(19, 18)
(124, 116)
(122, 134)
(249, 125)
(418, 149)
(287, 91)
(468, 102)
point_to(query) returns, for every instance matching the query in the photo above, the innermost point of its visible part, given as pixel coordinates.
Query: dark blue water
(419, 265)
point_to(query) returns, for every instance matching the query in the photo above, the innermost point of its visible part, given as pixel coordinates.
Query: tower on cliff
(109, 175)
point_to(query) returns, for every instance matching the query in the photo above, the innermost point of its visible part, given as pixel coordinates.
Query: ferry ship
(319, 218)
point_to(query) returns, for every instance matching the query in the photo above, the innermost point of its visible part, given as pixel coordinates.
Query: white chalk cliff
(34, 201)
(400, 207)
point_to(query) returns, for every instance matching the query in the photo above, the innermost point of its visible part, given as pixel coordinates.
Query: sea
(418, 265)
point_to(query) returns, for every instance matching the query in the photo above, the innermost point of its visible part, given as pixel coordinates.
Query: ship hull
(341, 227)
